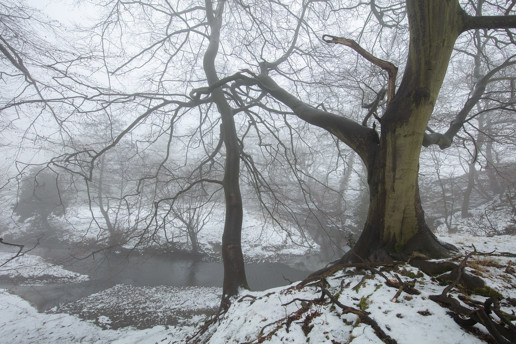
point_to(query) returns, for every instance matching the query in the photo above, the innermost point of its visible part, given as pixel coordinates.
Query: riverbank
(21, 323)
(119, 314)
(298, 314)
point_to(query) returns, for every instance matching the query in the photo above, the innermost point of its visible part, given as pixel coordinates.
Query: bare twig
(20, 249)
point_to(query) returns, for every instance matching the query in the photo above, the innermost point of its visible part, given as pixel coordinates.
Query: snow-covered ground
(412, 319)
(492, 218)
(33, 269)
(300, 316)
(21, 323)
(495, 244)
(143, 307)
(280, 315)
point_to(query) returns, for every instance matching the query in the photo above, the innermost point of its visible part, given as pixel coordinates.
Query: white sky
(65, 11)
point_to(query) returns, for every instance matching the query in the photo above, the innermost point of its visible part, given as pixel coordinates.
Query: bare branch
(20, 249)
(374, 107)
(391, 69)
(361, 139)
(489, 22)
(445, 140)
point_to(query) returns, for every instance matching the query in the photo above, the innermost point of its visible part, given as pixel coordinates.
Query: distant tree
(39, 196)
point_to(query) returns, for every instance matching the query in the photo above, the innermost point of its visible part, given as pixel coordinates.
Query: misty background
(112, 151)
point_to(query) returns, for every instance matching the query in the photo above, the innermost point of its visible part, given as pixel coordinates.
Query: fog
(187, 153)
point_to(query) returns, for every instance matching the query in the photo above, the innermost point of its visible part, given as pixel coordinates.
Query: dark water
(107, 270)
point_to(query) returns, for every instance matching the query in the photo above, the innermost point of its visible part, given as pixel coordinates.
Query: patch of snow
(495, 217)
(36, 269)
(144, 307)
(275, 317)
(20, 323)
(494, 244)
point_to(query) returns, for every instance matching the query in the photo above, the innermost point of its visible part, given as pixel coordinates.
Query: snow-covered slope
(332, 310)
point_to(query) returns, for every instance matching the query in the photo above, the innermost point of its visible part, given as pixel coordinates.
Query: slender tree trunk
(448, 213)
(472, 171)
(494, 185)
(112, 240)
(192, 234)
(344, 181)
(234, 268)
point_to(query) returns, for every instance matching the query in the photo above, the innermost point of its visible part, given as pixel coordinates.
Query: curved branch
(373, 107)
(125, 132)
(379, 15)
(361, 139)
(445, 140)
(391, 69)
(284, 57)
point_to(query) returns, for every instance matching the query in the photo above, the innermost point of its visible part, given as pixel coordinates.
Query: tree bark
(113, 241)
(344, 182)
(472, 171)
(494, 185)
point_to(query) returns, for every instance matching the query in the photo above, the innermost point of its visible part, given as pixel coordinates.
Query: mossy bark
(395, 225)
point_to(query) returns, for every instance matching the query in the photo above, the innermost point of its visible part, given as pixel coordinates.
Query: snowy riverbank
(255, 315)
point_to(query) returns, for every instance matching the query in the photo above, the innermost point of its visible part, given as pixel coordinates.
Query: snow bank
(413, 319)
(20, 323)
(35, 269)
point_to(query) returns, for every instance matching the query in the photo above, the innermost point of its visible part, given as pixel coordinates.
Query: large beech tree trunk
(395, 223)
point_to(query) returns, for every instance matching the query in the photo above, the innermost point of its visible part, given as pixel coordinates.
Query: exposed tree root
(499, 326)
(203, 330)
(363, 316)
(503, 332)
(447, 271)
(330, 270)
(306, 305)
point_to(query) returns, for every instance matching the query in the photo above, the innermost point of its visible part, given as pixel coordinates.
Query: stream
(109, 269)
